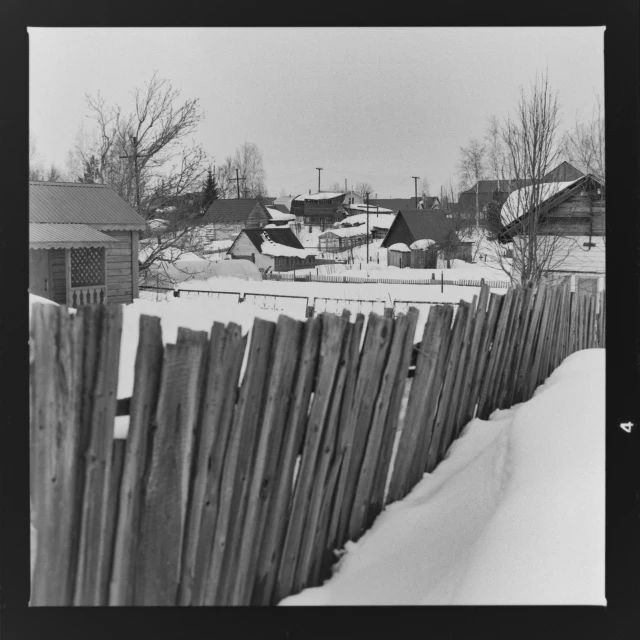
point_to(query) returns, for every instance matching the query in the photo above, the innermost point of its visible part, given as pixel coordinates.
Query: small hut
(424, 254)
(399, 255)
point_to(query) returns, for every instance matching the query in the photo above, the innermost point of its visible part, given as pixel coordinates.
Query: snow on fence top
(400, 246)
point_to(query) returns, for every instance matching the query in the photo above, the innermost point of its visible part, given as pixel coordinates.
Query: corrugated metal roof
(51, 236)
(79, 203)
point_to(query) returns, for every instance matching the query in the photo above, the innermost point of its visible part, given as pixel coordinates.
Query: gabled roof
(432, 224)
(564, 172)
(233, 210)
(79, 203)
(552, 194)
(322, 195)
(282, 235)
(489, 186)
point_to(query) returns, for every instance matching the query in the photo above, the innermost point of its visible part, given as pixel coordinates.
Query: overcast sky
(374, 104)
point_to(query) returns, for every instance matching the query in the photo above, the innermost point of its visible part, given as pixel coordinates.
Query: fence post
(388, 312)
(309, 311)
(442, 282)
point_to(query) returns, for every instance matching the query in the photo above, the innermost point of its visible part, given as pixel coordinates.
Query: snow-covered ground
(513, 515)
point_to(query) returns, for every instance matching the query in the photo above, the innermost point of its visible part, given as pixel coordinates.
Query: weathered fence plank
(333, 329)
(148, 367)
(238, 461)
(372, 361)
(275, 527)
(165, 504)
(286, 348)
(93, 573)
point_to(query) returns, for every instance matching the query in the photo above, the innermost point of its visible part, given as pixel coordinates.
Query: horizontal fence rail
(343, 278)
(236, 482)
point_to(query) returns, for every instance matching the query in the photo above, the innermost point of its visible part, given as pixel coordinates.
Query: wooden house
(272, 249)
(574, 212)
(424, 254)
(83, 244)
(323, 209)
(229, 216)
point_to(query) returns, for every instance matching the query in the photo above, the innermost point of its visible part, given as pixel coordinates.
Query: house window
(87, 267)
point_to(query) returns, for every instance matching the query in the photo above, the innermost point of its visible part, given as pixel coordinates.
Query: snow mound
(399, 246)
(513, 515)
(425, 243)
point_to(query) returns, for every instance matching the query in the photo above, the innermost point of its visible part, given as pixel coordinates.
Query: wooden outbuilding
(83, 244)
(399, 255)
(424, 254)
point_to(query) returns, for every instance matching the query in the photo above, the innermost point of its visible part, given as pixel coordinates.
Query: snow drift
(513, 515)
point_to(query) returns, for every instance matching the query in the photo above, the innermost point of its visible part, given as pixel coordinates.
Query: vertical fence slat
(333, 329)
(275, 527)
(444, 426)
(573, 329)
(419, 460)
(93, 574)
(465, 411)
(365, 477)
(165, 504)
(320, 485)
(286, 349)
(539, 342)
(346, 429)
(381, 475)
(488, 379)
(238, 460)
(372, 360)
(222, 388)
(224, 362)
(55, 439)
(488, 332)
(148, 367)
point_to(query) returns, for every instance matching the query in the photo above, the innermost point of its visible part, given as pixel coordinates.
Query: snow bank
(513, 515)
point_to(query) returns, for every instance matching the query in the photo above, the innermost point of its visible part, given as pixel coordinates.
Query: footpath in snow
(513, 515)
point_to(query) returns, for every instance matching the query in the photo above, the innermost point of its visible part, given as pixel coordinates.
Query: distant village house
(272, 249)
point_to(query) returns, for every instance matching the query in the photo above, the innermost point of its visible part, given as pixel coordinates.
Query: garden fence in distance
(235, 487)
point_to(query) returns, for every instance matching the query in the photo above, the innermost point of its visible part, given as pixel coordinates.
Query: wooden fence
(235, 489)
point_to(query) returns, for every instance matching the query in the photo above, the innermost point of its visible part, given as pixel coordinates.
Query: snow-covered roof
(346, 232)
(278, 215)
(274, 249)
(323, 195)
(372, 208)
(382, 221)
(400, 246)
(422, 244)
(520, 200)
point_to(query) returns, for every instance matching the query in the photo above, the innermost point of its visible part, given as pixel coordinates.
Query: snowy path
(513, 515)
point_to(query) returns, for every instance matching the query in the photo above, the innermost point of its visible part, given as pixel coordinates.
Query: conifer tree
(210, 190)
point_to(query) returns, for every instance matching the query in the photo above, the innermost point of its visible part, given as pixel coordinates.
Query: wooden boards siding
(119, 268)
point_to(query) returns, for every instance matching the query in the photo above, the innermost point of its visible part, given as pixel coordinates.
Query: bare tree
(495, 151)
(362, 188)
(335, 188)
(424, 188)
(584, 145)
(471, 169)
(531, 150)
(147, 157)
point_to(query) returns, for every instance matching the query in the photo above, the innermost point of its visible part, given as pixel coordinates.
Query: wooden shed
(399, 255)
(424, 254)
(83, 244)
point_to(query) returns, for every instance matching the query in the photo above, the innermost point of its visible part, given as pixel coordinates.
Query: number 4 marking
(626, 426)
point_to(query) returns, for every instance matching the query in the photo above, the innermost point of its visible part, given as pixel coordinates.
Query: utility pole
(136, 173)
(415, 181)
(319, 169)
(367, 238)
(237, 181)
